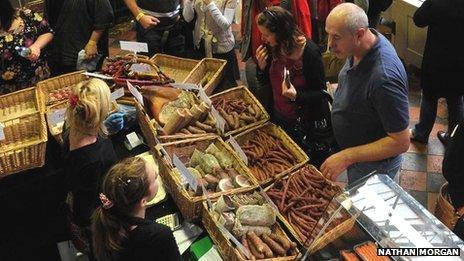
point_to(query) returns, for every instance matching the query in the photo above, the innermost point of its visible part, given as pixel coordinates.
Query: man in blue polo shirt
(370, 110)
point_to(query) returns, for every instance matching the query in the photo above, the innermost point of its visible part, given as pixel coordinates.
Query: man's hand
(90, 50)
(148, 21)
(261, 57)
(35, 53)
(288, 91)
(335, 165)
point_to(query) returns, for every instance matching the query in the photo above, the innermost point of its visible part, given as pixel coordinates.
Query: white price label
(137, 67)
(98, 75)
(118, 93)
(136, 47)
(204, 97)
(135, 92)
(238, 149)
(185, 86)
(220, 122)
(133, 139)
(57, 116)
(2, 133)
(191, 180)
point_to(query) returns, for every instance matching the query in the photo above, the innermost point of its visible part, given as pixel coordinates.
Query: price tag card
(98, 75)
(2, 133)
(137, 67)
(135, 92)
(208, 200)
(191, 180)
(133, 139)
(118, 93)
(204, 97)
(136, 47)
(234, 240)
(57, 116)
(185, 86)
(238, 149)
(220, 122)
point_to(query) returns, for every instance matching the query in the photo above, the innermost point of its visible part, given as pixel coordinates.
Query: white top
(213, 23)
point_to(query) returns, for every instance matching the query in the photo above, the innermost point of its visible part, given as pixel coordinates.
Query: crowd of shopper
(363, 128)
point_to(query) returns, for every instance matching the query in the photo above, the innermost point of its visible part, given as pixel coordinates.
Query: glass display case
(395, 219)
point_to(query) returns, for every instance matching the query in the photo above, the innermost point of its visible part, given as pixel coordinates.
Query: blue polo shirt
(372, 97)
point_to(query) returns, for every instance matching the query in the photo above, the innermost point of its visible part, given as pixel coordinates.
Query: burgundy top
(283, 105)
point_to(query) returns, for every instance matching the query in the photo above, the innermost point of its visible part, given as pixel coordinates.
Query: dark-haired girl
(120, 230)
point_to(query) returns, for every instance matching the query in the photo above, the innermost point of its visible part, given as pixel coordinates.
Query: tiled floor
(421, 170)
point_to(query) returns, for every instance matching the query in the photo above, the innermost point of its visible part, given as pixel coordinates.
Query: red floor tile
(417, 147)
(414, 180)
(434, 163)
(414, 112)
(435, 147)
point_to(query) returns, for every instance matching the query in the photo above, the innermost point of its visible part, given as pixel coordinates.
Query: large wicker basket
(60, 82)
(228, 251)
(20, 103)
(175, 67)
(24, 144)
(294, 149)
(208, 66)
(333, 231)
(444, 210)
(244, 94)
(190, 206)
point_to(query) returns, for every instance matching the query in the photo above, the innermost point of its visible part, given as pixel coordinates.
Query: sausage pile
(267, 246)
(267, 155)
(237, 112)
(302, 199)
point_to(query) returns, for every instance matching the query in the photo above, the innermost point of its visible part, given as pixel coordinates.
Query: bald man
(370, 115)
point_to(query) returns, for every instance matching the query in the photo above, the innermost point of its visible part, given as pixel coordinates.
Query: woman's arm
(423, 15)
(224, 21)
(188, 13)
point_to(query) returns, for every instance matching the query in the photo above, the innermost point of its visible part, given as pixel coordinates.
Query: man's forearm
(379, 150)
(133, 7)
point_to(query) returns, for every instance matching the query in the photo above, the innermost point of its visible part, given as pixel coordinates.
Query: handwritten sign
(136, 47)
(2, 133)
(118, 93)
(191, 180)
(220, 122)
(57, 116)
(238, 149)
(138, 96)
(185, 86)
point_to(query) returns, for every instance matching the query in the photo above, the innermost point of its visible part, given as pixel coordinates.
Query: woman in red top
(304, 96)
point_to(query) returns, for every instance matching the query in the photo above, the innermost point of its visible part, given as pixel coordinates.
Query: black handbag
(314, 130)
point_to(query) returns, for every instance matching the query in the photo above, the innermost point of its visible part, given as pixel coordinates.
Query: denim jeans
(389, 166)
(428, 113)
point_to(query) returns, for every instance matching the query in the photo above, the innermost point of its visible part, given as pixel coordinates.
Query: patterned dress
(17, 72)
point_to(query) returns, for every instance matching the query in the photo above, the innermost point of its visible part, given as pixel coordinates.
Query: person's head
(346, 26)
(279, 30)
(126, 189)
(90, 104)
(6, 14)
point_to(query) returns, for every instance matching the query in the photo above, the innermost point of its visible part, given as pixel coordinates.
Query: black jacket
(311, 100)
(453, 166)
(443, 62)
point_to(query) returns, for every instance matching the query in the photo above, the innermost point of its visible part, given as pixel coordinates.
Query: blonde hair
(90, 105)
(125, 185)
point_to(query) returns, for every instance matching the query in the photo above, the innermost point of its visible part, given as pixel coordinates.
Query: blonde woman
(120, 230)
(87, 154)
(213, 35)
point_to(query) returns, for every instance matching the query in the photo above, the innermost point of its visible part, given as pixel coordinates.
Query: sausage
(247, 247)
(255, 251)
(275, 247)
(281, 240)
(255, 241)
(195, 130)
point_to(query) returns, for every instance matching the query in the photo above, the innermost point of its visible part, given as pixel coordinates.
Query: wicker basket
(333, 231)
(20, 103)
(175, 67)
(228, 251)
(244, 94)
(24, 144)
(444, 210)
(56, 83)
(190, 206)
(271, 128)
(148, 130)
(199, 75)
